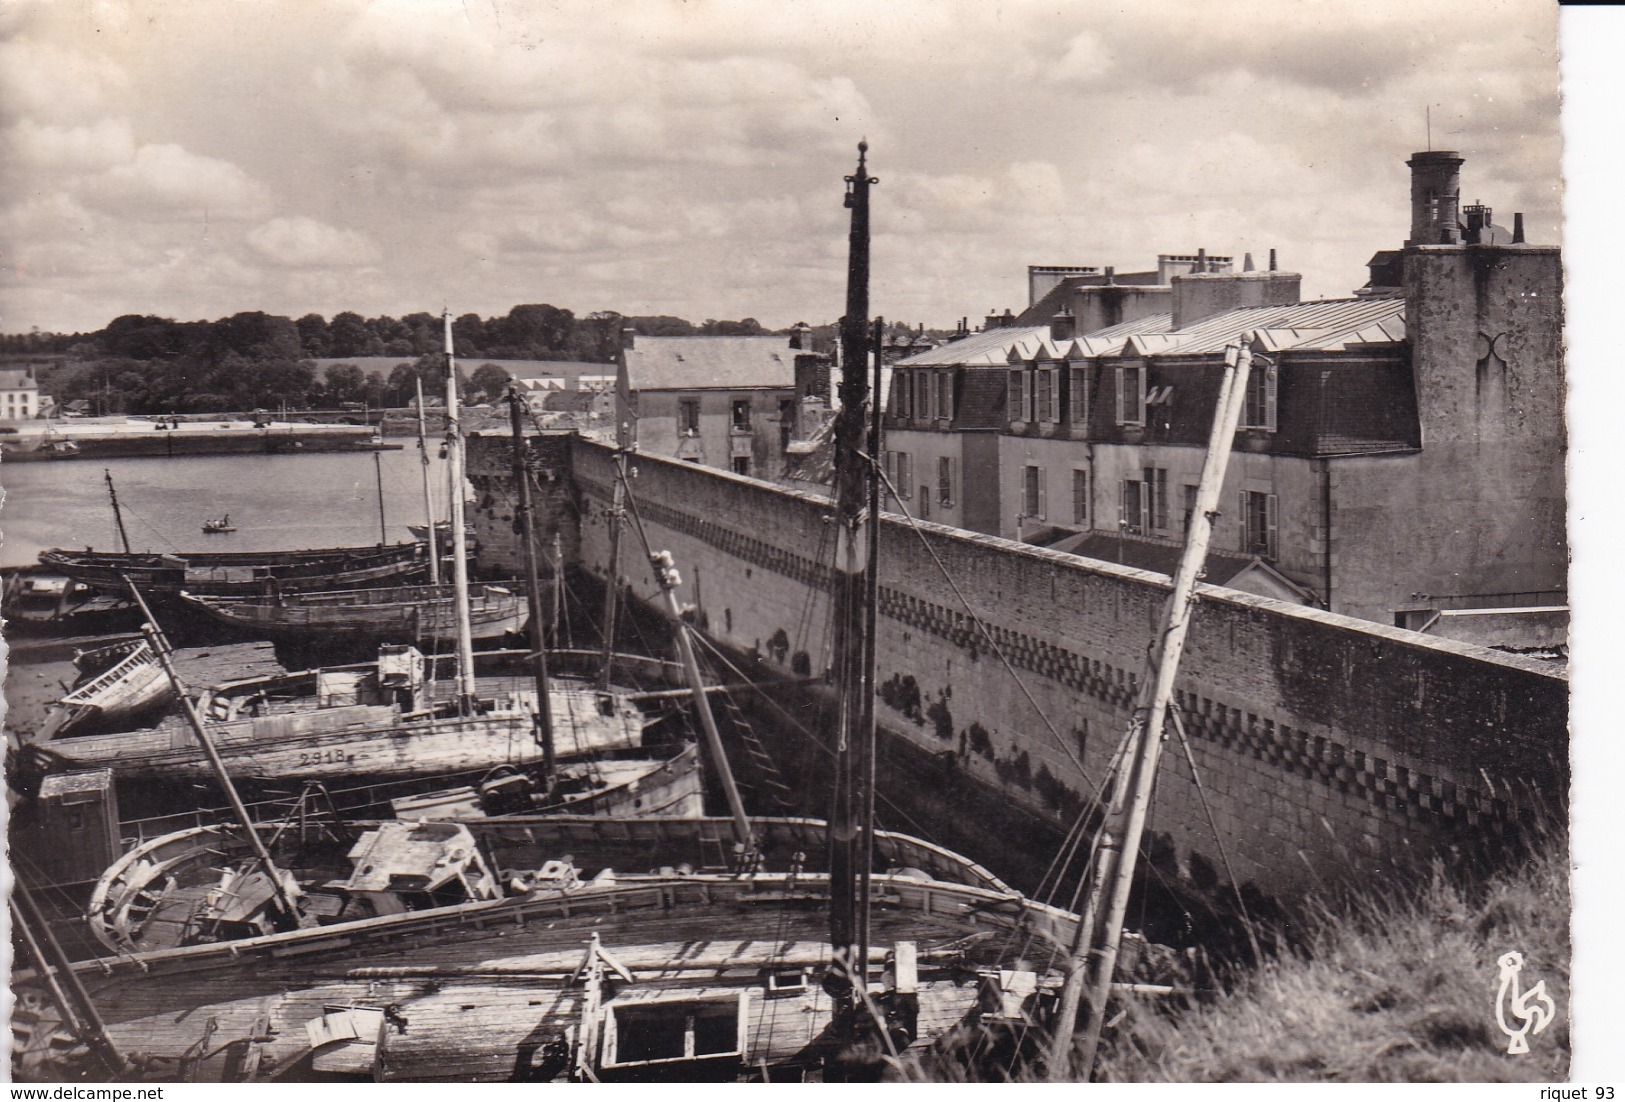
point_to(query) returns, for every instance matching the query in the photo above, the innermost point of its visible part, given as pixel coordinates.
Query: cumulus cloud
(165, 178)
(300, 242)
(686, 158)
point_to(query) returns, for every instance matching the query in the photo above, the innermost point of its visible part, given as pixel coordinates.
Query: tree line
(148, 365)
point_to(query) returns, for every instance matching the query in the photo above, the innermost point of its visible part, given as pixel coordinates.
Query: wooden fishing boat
(421, 613)
(640, 957)
(239, 573)
(161, 893)
(219, 525)
(380, 719)
(118, 681)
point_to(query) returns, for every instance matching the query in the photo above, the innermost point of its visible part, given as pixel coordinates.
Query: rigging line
(150, 526)
(901, 815)
(1224, 856)
(992, 644)
(73, 906)
(1067, 853)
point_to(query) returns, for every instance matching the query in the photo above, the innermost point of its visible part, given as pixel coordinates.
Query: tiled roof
(684, 363)
(12, 378)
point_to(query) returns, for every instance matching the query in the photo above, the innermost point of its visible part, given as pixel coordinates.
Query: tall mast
(1100, 930)
(118, 515)
(524, 521)
(871, 606)
(845, 831)
(624, 438)
(383, 524)
(51, 964)
(459, 542)
(160, 649)
(428, 493)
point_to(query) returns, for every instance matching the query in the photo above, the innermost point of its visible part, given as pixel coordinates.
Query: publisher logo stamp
(1520, 1012)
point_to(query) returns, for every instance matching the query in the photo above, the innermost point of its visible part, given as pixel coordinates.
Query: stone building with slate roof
(1401, 452)
(734, 403)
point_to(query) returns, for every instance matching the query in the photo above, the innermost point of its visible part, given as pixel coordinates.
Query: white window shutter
(1122, 501)
(1270, 378)
(1122, 406)
(1043, 494)
(1269, 525)
(1139, 399)
(1246, 520)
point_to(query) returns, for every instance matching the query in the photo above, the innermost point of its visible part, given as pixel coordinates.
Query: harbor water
(276, 502)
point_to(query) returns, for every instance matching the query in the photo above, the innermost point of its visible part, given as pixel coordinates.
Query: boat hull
(132, 685)
(424, 613)
(240, 573)
(371, 740)
(478, 991)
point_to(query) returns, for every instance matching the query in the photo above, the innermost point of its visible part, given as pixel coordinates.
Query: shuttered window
(1033, 493)
(1258, 512)
(1260, 409)
(1018, 395)
(1156, 495)
(1048, 400)
(1131, 505)
(1131, 396)
(1079, 398)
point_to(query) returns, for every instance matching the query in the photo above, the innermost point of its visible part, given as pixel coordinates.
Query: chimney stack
(629, 336)
(1247, 263)
(1517, 228)
(1063, 326)
(801, 337)
(1201, 262)
(1272, 260)
(1435, 192)
(1111, 276)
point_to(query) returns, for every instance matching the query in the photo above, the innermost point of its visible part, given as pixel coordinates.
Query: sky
(194, 159)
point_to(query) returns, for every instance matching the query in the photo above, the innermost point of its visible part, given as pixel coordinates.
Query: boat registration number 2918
(325, 757)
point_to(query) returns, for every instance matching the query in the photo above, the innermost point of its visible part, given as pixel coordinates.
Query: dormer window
(1079, 398)
(1018, 394)
(1260, 409)
(1048, 398)
(1131, 395)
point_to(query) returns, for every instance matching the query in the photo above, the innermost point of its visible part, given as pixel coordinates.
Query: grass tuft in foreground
(1397, 987)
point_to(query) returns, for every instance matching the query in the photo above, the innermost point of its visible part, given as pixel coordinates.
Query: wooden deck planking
(486, 1016)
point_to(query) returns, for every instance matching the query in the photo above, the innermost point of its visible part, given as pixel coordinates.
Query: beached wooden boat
(162, 894)
(379, 719)
(118, 681)
(239, 573)
(421, 613)
(638, 958)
